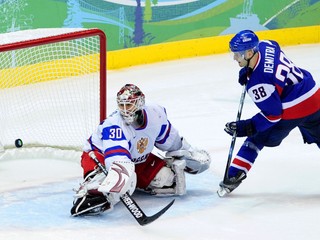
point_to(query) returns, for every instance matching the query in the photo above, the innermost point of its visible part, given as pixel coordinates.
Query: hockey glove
(244, 73)
(242, 128)
(243, 79)
(231, 184)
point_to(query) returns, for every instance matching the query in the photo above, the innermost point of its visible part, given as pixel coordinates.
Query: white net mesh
(49, 93)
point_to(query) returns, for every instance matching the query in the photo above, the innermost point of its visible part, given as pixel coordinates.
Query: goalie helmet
(130, 100)
(244, 40)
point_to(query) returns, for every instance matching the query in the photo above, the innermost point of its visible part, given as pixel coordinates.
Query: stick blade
(146, 220)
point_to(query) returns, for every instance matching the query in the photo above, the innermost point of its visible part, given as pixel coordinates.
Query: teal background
(134, 23)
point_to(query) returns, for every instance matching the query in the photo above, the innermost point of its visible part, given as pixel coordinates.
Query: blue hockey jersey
(280, 89)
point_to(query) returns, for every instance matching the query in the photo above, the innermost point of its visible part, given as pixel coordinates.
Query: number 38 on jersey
(261, 92)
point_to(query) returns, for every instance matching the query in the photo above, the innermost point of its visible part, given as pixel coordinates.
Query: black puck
(18, 143)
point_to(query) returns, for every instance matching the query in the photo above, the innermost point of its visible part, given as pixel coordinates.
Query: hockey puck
(18, 143)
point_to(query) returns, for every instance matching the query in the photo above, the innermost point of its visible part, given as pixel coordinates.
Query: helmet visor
(238, 56)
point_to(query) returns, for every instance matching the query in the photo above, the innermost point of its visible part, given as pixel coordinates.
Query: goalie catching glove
(197, 160)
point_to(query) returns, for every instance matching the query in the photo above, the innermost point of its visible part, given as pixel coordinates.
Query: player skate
(228, 185)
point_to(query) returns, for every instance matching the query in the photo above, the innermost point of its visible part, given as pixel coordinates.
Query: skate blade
(222, 191)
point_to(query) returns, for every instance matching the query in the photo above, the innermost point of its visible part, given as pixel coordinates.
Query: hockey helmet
(244, 40)
(130, 100)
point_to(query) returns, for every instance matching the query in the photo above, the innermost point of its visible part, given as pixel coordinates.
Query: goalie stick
(131, 204)
(223, 191)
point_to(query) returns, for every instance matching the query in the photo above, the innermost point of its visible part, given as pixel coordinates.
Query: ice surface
(280, 199)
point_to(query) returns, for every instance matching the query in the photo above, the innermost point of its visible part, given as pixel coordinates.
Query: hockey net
(52, 87)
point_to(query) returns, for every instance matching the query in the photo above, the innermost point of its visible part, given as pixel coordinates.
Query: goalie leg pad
(173, 180)
(178, 167)
(165, 177)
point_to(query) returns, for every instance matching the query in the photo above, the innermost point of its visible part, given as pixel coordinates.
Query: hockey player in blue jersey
(123, 144)
(286, 95)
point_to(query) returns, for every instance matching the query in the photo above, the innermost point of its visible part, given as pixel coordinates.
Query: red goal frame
(71, 36)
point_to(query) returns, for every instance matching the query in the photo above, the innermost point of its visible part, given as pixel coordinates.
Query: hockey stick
(131, 204)
(222, 191)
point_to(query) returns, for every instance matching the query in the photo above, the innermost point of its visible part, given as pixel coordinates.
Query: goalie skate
(90, 205)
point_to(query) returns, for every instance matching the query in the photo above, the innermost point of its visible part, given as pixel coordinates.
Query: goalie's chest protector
(142, 140)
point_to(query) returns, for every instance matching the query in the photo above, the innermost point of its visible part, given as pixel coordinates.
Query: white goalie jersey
(117, 140)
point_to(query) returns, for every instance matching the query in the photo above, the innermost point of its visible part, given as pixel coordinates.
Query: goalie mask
(130, 100)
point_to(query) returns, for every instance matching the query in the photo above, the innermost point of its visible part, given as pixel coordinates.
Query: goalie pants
(145, 171)
(310, 130)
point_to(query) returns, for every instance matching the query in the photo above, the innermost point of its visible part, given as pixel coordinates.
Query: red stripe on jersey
(303, 109)
(273, 118)
(116, 151)
(241, 163)
(279, 89)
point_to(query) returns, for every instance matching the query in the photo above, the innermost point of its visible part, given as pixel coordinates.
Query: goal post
(52, 87)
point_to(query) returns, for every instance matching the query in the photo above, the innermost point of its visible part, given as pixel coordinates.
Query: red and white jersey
(117, 140)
